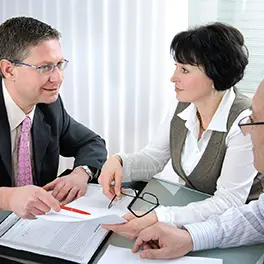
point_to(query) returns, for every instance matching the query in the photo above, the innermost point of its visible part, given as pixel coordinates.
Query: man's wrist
(5, 197)
(87, 170)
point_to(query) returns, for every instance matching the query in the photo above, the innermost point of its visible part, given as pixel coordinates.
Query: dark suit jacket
(54, 133)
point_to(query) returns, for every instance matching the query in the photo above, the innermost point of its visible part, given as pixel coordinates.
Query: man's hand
(67, 188)
(29, 201)
(111, 172)
(132, 228)
(161, 241)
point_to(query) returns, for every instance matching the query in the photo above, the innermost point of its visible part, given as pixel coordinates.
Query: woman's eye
(184, 70)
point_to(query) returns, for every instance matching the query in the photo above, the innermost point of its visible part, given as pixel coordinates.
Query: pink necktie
(24, 173)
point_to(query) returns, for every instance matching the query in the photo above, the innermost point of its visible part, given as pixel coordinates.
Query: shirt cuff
(123, 156)
(203, 235)
(164, 215)
(126, 167)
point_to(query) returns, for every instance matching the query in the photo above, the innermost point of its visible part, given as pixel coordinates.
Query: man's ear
(7, 69)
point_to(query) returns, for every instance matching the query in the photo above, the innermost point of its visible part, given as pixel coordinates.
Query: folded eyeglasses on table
(148, 201)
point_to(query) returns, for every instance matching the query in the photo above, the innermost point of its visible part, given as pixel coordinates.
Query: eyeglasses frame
(38, 68)
(136, 196)
(248, 124)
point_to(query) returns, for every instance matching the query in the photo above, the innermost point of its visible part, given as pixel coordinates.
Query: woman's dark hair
(217, 48)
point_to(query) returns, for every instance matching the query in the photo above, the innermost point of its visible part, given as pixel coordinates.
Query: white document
(71, 240)
(76, 241)
(96, 203)
(126, 256)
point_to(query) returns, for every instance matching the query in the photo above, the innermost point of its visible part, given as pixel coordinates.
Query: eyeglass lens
(147, 202)
(50, 67)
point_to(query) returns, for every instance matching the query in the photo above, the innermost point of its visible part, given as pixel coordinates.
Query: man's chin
(51, 99)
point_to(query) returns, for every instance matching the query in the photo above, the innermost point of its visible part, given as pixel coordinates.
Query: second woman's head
(208, 59)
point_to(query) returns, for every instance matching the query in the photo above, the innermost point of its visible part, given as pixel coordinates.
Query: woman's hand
(132, 228)
(112, 172)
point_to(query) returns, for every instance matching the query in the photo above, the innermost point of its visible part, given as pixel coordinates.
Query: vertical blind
(247, 16)
(117, 82)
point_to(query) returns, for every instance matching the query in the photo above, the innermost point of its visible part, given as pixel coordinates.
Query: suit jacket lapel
(40, 140)
(5, 138)
(5, 145)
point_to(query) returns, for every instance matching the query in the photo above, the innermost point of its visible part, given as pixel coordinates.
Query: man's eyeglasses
(246, 124)
(45, 69)
(148, 201)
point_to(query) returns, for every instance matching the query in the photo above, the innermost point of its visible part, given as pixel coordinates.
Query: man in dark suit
(34, 126)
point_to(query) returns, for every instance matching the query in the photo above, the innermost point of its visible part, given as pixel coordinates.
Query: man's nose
(56, 75)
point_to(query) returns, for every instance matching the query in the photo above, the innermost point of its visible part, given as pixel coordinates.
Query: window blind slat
(247, 16)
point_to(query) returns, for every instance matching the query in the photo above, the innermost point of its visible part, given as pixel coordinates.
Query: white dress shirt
(237, 173)
(235, 227)
(15, 118)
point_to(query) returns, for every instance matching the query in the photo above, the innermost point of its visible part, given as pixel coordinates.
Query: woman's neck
(207, 108)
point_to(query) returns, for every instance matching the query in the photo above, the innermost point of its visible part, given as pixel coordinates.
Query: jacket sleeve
(79, 142)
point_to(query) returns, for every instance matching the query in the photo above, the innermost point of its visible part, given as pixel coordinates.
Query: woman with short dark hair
(217, 49)
(202, 138)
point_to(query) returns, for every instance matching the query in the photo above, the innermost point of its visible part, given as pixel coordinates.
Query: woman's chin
(182, 99)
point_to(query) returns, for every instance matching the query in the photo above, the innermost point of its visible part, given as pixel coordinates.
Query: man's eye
(46, 68)
(60, 64)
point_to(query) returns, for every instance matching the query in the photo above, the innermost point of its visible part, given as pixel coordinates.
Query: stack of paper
(126, 256)
(70, 236)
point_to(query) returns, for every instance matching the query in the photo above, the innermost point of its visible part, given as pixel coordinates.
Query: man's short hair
(217, 48)
(19, 34)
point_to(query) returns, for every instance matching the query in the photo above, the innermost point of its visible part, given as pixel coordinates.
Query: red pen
(74, 210)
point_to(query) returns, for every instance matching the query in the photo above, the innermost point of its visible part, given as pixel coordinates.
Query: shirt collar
(14, 113)
(219, 120)
(189, 114)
